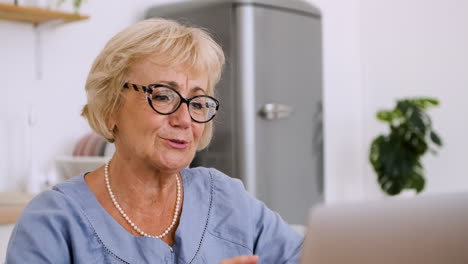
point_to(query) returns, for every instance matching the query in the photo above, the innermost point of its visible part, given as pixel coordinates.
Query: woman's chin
(175, 164)
(172, 160)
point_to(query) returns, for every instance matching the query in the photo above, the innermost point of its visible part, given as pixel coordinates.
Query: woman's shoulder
(204, 178)
(54, 219)
(202, 174)
(56, 202)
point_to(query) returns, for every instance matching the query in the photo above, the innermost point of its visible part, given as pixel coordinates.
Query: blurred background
(373, 52)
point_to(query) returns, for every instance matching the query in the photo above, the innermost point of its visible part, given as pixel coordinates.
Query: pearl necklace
(129, 221)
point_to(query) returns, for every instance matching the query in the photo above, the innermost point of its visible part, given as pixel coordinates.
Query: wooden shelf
(36, 15)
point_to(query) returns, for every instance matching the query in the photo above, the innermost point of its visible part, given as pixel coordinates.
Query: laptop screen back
(426, 229)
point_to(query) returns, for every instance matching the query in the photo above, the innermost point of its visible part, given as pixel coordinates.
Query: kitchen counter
(11, 206)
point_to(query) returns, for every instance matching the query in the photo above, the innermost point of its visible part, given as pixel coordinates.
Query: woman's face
(169, 142)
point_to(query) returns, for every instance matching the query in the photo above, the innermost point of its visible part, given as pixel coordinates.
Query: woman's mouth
(177, 143)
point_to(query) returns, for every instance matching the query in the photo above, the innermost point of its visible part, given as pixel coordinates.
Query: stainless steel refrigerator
(269, 129)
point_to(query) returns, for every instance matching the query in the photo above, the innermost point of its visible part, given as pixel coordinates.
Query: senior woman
(150, 91)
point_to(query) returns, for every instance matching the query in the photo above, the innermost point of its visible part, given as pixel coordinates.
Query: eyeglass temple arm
(135, 86)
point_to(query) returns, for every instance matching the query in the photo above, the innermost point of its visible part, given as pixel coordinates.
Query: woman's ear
(111, 124)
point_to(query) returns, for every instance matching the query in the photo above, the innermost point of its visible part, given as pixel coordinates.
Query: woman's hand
(241, 260)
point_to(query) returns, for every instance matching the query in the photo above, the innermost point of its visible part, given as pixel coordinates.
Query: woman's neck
(139, 184)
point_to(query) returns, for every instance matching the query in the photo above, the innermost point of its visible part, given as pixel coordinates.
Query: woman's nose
(181, 117)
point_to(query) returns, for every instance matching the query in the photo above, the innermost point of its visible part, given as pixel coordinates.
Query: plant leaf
(435, 138)
(423, 103)
(385, 116)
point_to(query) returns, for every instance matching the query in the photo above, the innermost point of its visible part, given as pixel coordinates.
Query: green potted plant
(76, 5)
(396, 156)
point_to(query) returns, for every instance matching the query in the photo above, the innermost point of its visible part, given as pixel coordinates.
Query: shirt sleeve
(275, 240)
(40, 235)
(247, 221)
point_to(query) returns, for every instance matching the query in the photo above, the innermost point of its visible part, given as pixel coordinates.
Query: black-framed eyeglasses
(165, 100)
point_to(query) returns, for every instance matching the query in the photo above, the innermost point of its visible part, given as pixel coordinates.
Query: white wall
(375, 52)
(418, 48)
(344, 151)
(56, 99)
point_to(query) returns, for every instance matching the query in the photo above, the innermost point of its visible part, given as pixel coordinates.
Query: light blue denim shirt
(220, 220)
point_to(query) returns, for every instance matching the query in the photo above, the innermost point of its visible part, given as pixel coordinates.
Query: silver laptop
(426, 229)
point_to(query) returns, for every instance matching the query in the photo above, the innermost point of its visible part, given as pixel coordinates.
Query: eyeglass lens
(165, 101)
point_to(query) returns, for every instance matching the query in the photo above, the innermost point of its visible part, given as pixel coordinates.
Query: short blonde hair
(172, 43)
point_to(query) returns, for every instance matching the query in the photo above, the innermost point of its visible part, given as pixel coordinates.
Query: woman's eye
(196, 105)
(161, 98)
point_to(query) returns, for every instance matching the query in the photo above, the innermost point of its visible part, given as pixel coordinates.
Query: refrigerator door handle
(273, 111)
